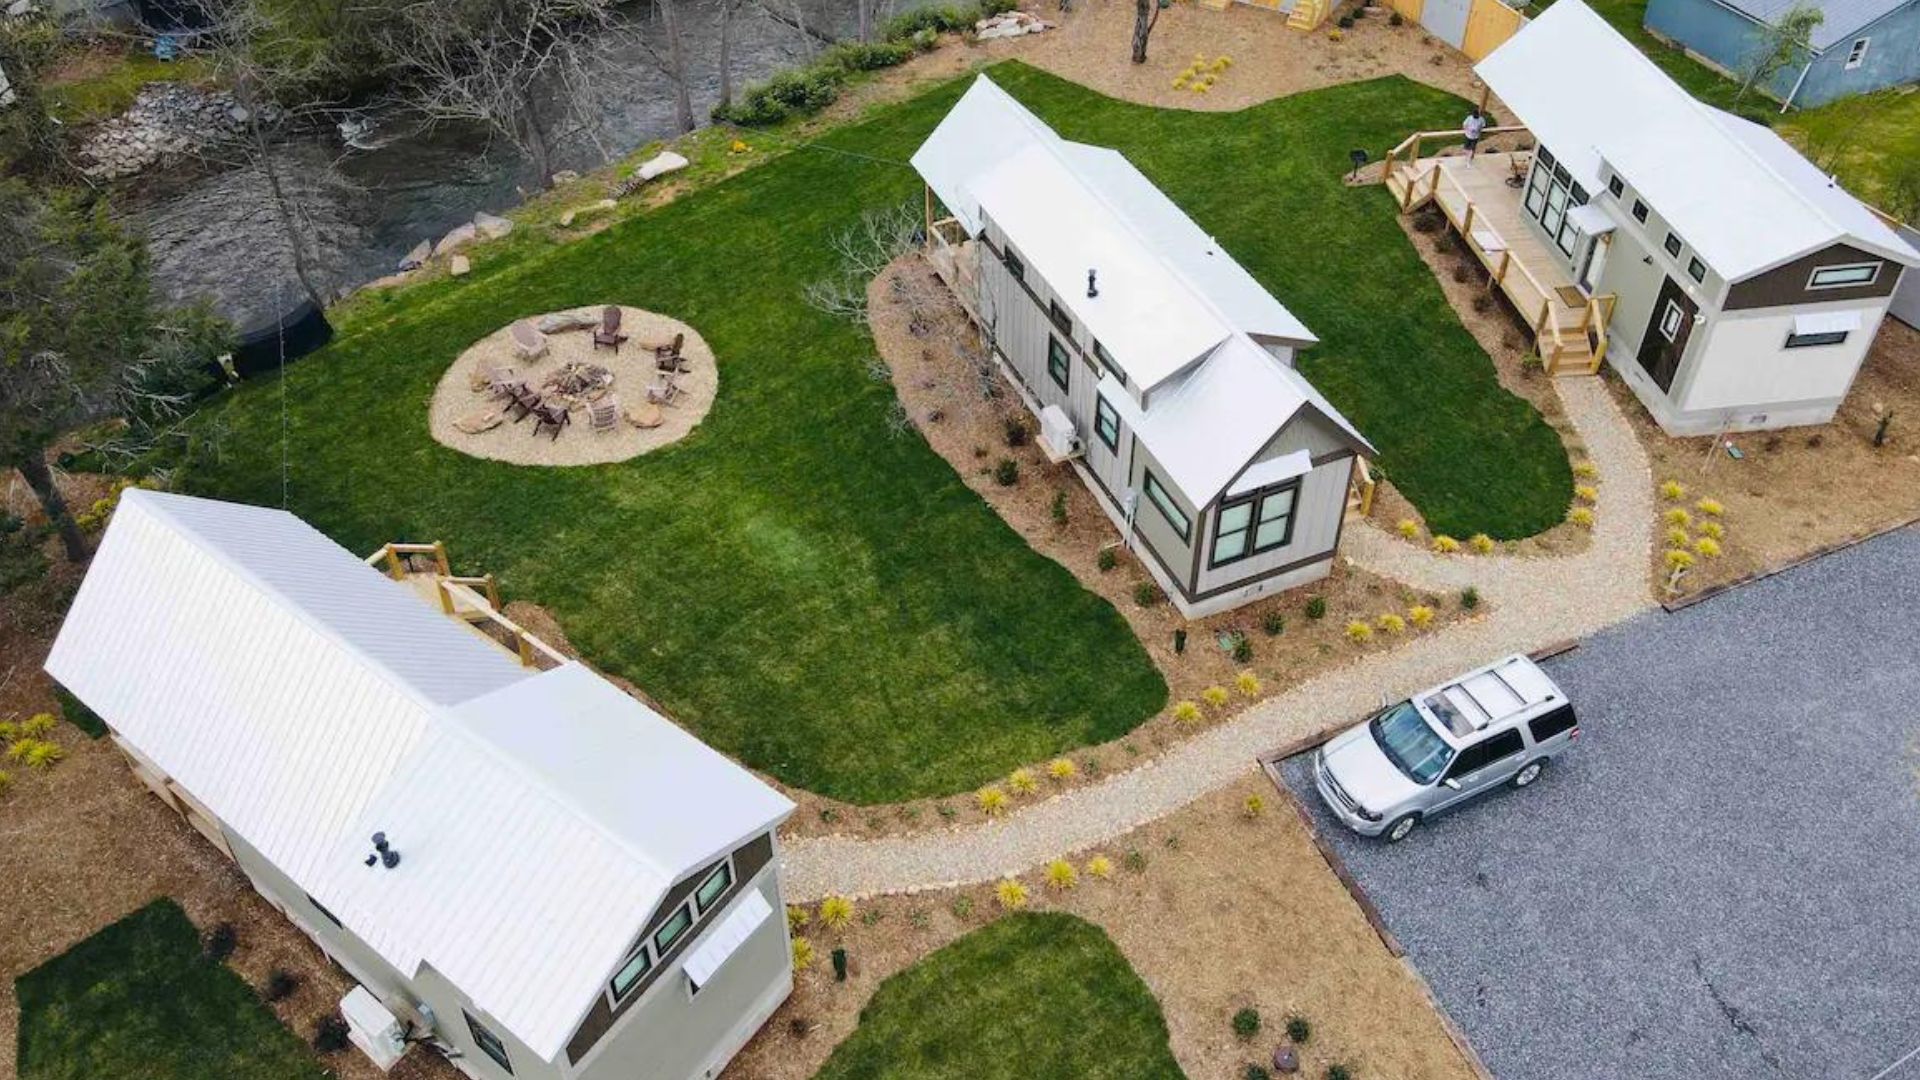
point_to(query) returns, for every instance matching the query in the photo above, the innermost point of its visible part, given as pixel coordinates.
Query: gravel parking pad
(1722, 879)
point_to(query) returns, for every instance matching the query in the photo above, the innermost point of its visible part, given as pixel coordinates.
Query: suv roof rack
(1490, 695)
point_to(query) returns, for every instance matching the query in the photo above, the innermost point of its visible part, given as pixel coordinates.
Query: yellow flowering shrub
(1407, 528)
(1713, 530)
(1022, 782)
(1253, 807)
(1680, 517)
(802, 954)
(1678, 537)
(1679, 560)
(1359, 633)
(1011, 894)
(1100, 867)
(1673, 490)
(1061, 875)
(1586, 470)
(1062, 768)
(1710, 507)
(836, 912)
(1586, 493)
(1481, 543)
(37, 724)
(991, 800)
(1581, 516)
(1445, 545)
(1214, 696)
(1247, 683)
(1420, 615)
(1392, 624)
(1186, 712)
(1708, 547)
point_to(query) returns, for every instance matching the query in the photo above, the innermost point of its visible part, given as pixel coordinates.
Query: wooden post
(1485, 93)
(928, 190)
(445, 590)
(1466, 223)
(526, 650)
(440, 558)
(396, 569)
(493, 593)
(1500, 275)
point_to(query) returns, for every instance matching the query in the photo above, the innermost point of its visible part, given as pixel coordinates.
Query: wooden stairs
(1307, 15)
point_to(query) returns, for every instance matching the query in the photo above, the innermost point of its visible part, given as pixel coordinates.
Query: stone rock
(661, 164)
(459, 266)
(1286, 1060)
(491, 227)
(460, 237)
(567, 219)
(565, 176)
(416, 258)
(21, 8)
(562, 321)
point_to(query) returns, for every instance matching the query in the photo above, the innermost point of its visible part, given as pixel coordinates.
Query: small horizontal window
(1696, 269)
(672, 930)
(715, 887)
(630, 974)
(1101, 354)
(1807, 341)
(1060, 317)
(489, 1043)
(1615, 187)
(1673, 245)
(1844, 277)
(1639, 211)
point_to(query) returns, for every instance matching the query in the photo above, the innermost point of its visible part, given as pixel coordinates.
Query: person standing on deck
(1471, 127)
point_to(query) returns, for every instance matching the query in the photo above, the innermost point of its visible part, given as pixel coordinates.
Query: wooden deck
(1568, 326)
(474, 602)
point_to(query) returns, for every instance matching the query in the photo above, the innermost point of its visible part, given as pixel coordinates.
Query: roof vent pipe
(383, 852)
(1093, 289)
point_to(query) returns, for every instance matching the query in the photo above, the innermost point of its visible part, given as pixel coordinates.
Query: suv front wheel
(1528, 773)
(1401, 826)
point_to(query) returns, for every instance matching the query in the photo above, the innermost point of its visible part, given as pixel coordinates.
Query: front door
(1666, 337)
(1596, 262)
(1447, 19)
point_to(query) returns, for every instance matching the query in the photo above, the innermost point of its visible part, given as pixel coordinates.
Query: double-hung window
(489, 1043)
(1259, 522)
(1060, 317)
(1852, 275)
(1163, 501)
(1106, 424)
(1059, 364)
(1857, 55)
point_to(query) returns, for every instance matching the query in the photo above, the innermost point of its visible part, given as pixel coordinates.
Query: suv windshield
(1410, 742)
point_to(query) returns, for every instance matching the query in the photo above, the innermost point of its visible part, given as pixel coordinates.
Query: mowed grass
(140, 999)
(804, 589)
(1030, 997)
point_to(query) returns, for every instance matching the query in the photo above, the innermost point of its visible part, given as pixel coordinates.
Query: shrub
(1346, 23)
(1672, 490)
(6, 781)
(1391, 623)
(9, 731)
(835, 912)
(1359, 633)
(1062, 768)
(1337, 1071)
(1713, 530)
(1011, 894)
(1246, 1024)
(1100, 867)
(1586, 493)
(1420, 615)
(1135, 860)
(1481, 543)
(1022, 782)
(1586, 470)
(37, 724)
(281, 984)
(1445, 545)
(1469, 598)
(1186, 712)
(1316, 607)
(1247, 683)
(797, 918)
(330, 1034)
(1059, 508)
(1298, 1029)
(1678, 537)
(1679, 560)
(839, 957)
(961, 907)
(1273, 623)
(1215, 696)
(1253, 807)
(1581, 516)
(1017, 433)
(870, 55)
(1146, 594)
(1396, 19)
(37, 753)
(221, 941)
(1708, 547)
(1007, 472)
(991, 800)
(1710, 507)
(1680, 517)
(802, 954)
(1242, 649)
(1106, 560)
(797, 92)
(1061, 876)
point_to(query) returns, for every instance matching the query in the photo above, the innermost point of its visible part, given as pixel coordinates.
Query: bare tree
(729, 20)
(872, 15)
(864, 249)
(670, 56)
(1145, 14)
(1781, 42)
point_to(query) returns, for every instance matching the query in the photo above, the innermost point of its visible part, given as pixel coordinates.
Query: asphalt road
(1722, 878)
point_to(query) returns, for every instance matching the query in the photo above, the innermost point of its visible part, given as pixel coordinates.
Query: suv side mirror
(1451, 783)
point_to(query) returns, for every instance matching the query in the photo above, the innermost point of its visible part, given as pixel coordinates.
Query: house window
(1254, 524)
(1014, 266)
(1551, 193)
(1673, 245)
(1858, 54)
(322, 909)
(1639, 211)
(1670, 320)
(1844, 277)
(488, 1042)
(1060, 317)
(1696, 270)
(715, 887)
(631, 973)
(1615, 187)
(1058, 363)
(1807, 341)
(672, 930)
(1106, 423)
(1169, 509)
(1101, 354)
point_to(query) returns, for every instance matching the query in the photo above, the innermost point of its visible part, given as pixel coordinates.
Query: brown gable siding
(748, 861)
(1786, 285)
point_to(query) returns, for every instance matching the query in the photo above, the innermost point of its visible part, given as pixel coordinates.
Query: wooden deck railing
(1408, 152)
(458, 599)
(1527, 292)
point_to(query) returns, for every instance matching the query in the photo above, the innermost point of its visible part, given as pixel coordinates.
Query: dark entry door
(1667, 330)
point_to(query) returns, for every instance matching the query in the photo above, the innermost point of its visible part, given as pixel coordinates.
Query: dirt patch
(1262, 923)
(963, 406)
(463, 405)
(1799, 489)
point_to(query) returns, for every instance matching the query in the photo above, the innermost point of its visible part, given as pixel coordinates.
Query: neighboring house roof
(308, 702)
(1175, 311)
(1735, 193)
(1843, 17)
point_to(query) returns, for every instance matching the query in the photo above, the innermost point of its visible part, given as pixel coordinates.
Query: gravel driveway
(1722, 879)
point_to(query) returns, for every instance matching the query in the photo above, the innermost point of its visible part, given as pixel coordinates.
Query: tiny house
(525, 869)
(1160, 369)
(1859, 46)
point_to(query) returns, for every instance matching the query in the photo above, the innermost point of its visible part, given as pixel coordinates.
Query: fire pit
(574, 384)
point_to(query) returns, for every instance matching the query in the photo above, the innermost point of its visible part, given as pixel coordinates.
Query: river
(214, 233)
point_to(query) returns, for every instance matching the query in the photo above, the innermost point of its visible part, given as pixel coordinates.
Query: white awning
(1590, 219)
(724, 939)
(1826, 322)
(1273, 471)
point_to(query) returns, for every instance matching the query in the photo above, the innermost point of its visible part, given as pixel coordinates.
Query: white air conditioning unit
(1057, 435)
(373, 1028)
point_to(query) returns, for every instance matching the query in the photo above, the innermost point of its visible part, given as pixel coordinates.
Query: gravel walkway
(1531, 602)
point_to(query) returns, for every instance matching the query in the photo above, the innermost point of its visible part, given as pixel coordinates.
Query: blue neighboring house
(1862, 45)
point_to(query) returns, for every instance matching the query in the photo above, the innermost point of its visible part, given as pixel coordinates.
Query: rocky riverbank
(167, 120)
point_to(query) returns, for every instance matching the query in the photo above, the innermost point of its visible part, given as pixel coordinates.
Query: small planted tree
(1782, 43)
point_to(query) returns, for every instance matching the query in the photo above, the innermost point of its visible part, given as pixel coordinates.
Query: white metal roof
(1740, 198)
(984, 128)
(310, 702)
(1843, 17)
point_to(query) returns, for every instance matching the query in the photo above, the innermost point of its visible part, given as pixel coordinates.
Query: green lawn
(140, 999)
(1030, 997)
(111, 91)
(805, 590)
